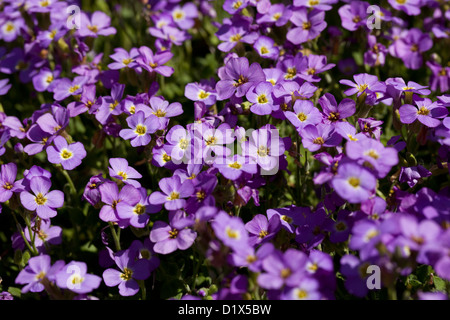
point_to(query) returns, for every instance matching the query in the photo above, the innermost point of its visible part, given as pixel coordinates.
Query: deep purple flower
(238, 77)
(174, 236)
(41, 200)
(39, 269)
(141, 128)
(440, 77)
(426, 111)
(131, 270)
(120, 169)
(364, 83)
(74, 276)
(318, 136)
(412, 175)
(266, 48)
(8, 183)
(137, 214)
(233, 167)
(155, 62)
(261, 98)
(280, 269)
(163, 110)
(376, 53)
(276, 13)
(353, 183)
(309, 25)
(354, 15)
(115, 201)
(124, 59)
(44, 234)
(64, 88)
(261, 229)
(372, 154)
(230, 230)
(410, 48)
(173, 194)
(91, 192)
(335, 112)
(68, 155)
(98, 23)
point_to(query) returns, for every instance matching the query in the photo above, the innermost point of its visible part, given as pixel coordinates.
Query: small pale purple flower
(68, 155)
(353, 183)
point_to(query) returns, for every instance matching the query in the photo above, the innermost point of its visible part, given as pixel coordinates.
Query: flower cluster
(225, 149)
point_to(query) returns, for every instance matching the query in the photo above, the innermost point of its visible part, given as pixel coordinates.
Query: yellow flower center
(173, 233)
(313, 2)
(183, 144)
(237, 5)
(66, 154)
(363, 87)
(262, 99)
(373, 154)
(262, 151)
(302, 117)
(76, 279)
(306, 25)
(302, 294)
(423, 111)
(319, 140)
(340, 226)
(203, 94)
(354, 182)
(178, 15)
(160, 113)
(113, 105)
(264, 50)
(40, 199)
(166, 157)
(201, 195)
(262, 234)
(139, 209)
(211, 140)
(173, 196)
(127, 61)
(40, 275)
(313, 267)
(286, 272)
(123, 175)
(10, 27)
(140, 129)
(127, 274)
(235, 38)
(334, 116)
(49, 79)
(74, 88)
(235, 165)
(93, 28)
(286, 218)
(290, 73)
(276, 16)
(7, 186)
(233, 234)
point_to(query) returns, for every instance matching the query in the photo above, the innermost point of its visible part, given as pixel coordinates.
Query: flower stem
(115, 235)
(19, 228)
(73, 190)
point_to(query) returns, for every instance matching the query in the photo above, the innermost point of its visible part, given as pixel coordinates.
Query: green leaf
(16, 292)
(439, 283)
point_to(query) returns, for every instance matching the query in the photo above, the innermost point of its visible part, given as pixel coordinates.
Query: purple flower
(200, 92)
(68, 155)
(163, 110)
(44, 234)
(176, 236)
(141, 129)
(335, 112)
(120, 169)
(124, 59)
(376, 54)
(412, 175)
(130, 271)
(411, 7)
(277, 14)
(354, 15)
(45, 80)
(235, 31)
(410, 48)
(261, 229)
(261, 98)
(425, 111)
(251, 258)
(154, 62)
(38, 270)
(365, 235)
(65, 88)
(355, 273)
(312, 65)
(230, 230)
(74, 276)
(116, 201)
(364, 83)
(97, 24)
(4, 86)
(91, 192)
(307, 289)
(314, 137)
(280, 269)
(266, 48)
(110, 105)
(137, 214)
(309, 25)
(353, 183)
(372, 154)
(233, 6)
(184, 16)
(323, 5)
(440, 76)
(173, 194)
(8, 183)
(304, 114)
(234, 167)
(41, 200)
(238, 77)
